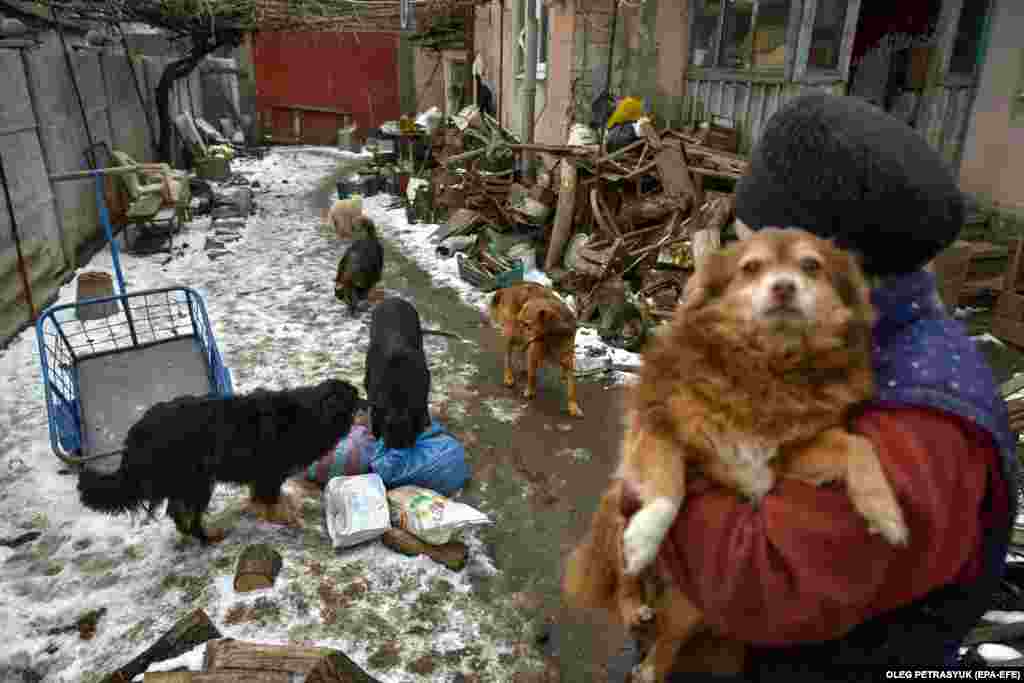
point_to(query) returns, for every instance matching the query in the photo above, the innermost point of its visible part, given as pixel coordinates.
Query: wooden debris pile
(596, 218)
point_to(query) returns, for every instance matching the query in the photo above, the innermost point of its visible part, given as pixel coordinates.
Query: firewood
(228, 654)
(217, 677)
(563, 214)
(452, 554)
(675, 174)
(707, 237)
(257, 568)
(602, 215)
(337, 668)
(644, 210)
(190, 631)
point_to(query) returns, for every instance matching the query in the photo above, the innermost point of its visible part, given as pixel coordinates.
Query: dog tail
(113, 493)
(592, 571)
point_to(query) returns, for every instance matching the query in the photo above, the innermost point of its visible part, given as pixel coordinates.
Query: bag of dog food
(436, 461)
(350, 457)
(429, 516)
(356, 509)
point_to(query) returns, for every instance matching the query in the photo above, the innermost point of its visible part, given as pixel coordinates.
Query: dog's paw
(645, 532)
(892, 529)
(643, 673)
(575, 410)
(643, 615)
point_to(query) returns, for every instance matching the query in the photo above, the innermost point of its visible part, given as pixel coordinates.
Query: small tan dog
(752, 380)
(342, 215)
(532, 318)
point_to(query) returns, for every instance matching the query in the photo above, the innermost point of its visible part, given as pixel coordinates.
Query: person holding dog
(799, 578)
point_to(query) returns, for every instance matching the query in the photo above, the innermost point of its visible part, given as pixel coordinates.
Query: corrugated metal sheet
(353, 73)
(749, 104)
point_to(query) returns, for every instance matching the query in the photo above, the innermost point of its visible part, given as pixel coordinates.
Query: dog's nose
(783, 290)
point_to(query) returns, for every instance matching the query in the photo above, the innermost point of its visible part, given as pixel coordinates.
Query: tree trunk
(174, 72)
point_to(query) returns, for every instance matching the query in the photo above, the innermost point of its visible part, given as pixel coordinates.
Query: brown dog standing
(532, 318)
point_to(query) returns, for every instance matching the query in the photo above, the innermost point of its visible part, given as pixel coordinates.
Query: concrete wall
(993, 158)
(42, 133)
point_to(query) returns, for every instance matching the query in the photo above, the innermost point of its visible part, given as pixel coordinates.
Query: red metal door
(344, 72)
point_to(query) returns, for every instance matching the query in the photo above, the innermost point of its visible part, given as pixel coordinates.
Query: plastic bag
(429, 516)
(350, 457)
(436, 461)
(356, 509)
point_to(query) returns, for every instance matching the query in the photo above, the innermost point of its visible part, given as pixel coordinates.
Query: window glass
(704, 37)
(736, 36)
(827, 35)
(968, 37)
(769, 36)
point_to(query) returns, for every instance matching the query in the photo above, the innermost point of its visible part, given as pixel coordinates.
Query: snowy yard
(277, 324)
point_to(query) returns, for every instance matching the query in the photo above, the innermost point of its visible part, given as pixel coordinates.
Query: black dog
(397, 377)
(360, 268)
(181, 448)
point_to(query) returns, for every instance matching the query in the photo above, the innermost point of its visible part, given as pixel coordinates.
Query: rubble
(637, 216)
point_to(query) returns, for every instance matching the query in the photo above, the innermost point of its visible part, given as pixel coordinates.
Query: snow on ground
(413, 240)
(271, 305)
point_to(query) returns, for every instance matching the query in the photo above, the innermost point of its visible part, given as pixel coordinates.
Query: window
(704, 35)
(740, 34)
(827, 34)
(968, 38)
(542, 40)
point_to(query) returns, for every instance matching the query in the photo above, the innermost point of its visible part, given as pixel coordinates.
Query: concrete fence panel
(33, 205)
(130, 128)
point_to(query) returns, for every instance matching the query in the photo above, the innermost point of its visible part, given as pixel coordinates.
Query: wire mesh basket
(103, 369)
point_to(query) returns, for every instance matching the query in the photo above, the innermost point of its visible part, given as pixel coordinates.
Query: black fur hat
(843, 169)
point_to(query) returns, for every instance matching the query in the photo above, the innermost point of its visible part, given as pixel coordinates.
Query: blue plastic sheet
(436, 461)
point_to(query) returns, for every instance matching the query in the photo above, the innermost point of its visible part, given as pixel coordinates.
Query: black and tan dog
(181, 448)
(533, 319)
(361, 267)
(397, 377)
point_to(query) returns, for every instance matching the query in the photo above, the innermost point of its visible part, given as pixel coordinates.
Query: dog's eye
(752, 267)
(810, 265)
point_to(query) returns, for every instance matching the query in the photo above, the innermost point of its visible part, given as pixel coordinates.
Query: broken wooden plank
(675, 175)
(452, 555)
(229, 654)
(338, 668)
(190, 631)
(217, 677)
(602, 215)
(564, 213)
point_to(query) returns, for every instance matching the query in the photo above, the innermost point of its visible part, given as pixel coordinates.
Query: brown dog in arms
(751, 381)
(533, 319)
